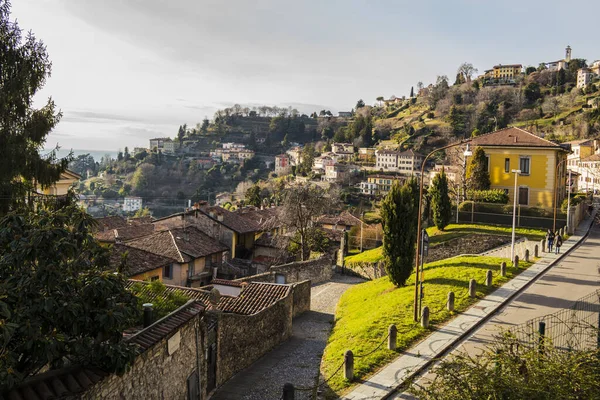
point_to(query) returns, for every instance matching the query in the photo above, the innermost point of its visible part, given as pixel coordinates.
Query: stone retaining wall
(316, 270)
(242, 339)
(301, 295)
(470, 244)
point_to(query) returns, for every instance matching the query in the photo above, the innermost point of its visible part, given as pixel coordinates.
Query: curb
(444, 351)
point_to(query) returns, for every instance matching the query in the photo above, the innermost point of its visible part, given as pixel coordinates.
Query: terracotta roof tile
(232, 221)
(110, 223)
(133, 231)
(345, 218)
(138, 260)
(56, 384)
(162, 328)
(181, 244)
(513, 137)
(266, 218)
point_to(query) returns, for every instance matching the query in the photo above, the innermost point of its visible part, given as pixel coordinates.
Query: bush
(574, 201)
(488, 196)
(430, 115)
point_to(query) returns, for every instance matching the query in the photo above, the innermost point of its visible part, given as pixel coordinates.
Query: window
(168, 271)
(523, 196)
(507, 165)
(524, 165)
(191, 268)
(193, 386)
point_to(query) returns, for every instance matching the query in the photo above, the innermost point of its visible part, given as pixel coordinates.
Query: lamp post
(515, 194)
(569, 201)
(418, 250)
(555, 192)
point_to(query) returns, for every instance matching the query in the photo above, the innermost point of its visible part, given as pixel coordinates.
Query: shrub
(488, 196)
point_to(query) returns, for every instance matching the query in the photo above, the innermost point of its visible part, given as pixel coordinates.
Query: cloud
(95, 117)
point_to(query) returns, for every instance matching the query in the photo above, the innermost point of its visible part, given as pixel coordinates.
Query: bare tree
(302, 205)
(467, 70)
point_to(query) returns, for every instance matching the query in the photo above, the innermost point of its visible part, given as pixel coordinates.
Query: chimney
(215, 269)
(148, 314)
(214, 298)
(220, 217)
(515, 139)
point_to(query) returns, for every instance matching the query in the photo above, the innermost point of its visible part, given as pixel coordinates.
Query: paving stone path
(298, 359)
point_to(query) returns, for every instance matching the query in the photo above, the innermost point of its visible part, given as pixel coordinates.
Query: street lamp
(419, 233)
(512, 246)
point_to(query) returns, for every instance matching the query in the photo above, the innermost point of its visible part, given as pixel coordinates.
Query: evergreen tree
(24, 67)
(360, 104)
(399, 211)
(478, 177)
(253, 196)
(126, 154)
(205, 124)
(181, 133)
(440, 201)
(412, 91)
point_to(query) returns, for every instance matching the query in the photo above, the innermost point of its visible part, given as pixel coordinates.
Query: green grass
(452, 231)
(366, 310)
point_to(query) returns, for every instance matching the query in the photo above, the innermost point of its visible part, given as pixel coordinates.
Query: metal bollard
(349, 365)
(450, 303)
(488, 278)
(425, 317)
(527, 255)
(503, 268)
(516, 262)
(288, 391)
(543, 245)
(392, 335)
(536, 251)
(472, 288)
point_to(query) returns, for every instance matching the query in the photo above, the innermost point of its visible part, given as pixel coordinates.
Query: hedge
(497, 196)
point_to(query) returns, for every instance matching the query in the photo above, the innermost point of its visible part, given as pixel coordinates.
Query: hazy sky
(128, 70)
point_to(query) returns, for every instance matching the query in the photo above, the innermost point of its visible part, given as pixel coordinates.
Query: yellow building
(60, 188)
(506, 71)
(516, 149)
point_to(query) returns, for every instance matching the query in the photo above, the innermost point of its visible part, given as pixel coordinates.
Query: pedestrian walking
(550, 239)
(557, 242)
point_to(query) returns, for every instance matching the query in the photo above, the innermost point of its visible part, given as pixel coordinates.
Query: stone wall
(470, 244)
(301, 295)
(242, 339)
(156, 374)
(317, 270)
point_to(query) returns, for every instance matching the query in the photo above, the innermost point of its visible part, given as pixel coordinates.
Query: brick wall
(156, 374)
(242, 339)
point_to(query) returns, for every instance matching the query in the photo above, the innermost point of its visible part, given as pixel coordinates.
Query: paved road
(298, 359)
(574, 277)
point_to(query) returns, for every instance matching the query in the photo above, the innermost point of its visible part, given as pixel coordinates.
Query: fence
(574, 328)
(502, 214)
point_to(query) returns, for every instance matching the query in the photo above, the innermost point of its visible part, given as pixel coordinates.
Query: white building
(368, 188)
(132, 204)
(157, 143)
(584, 77)
(231, 146)
(406, 162)
(335, 173)
(245, 154)
(295, 154)
(581, 160)
(282, 164)
(170, 146)
(342, 148)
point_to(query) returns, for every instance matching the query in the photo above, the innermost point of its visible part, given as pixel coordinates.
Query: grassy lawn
(365, 312)
(452, 231)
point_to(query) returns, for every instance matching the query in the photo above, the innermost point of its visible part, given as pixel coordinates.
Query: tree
(467, 70)
(532, 92)
(205, 125)
(120, 156)
(380, 100)
(82, 164)
(60, 301)
(180, 133)
(25, 66)
(440, 201)
(399, 213)
(253, 196)
(142, 212)
(126, 154)
(478, 177)
(285, 143)
(308, 159)
(457, 120)
(360, 104)
(530, 70)
(302, 205)
(412, 92)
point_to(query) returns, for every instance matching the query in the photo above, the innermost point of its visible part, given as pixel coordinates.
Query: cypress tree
(399, 212)
(440, 201)
(478, 177)
(412, 91)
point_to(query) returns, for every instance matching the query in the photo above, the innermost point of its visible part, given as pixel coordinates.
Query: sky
(125, 71)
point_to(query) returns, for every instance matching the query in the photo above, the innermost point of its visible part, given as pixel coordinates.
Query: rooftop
(345, 218)
(513, 137)
(266, 218)
(180, 244)
(232, 221)
(138, 260)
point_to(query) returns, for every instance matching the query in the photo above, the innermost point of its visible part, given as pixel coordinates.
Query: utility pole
(515, 194)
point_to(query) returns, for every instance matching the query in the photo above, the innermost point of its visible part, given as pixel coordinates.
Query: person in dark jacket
(557, 242)
(550, 239)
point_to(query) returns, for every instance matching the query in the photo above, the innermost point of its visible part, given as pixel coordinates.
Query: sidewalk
(415, 359)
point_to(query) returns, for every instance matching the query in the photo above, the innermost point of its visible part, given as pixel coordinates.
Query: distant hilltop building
(132, 204)
(158, 143)
(345, 114)
(560, 64)
(504, 72)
